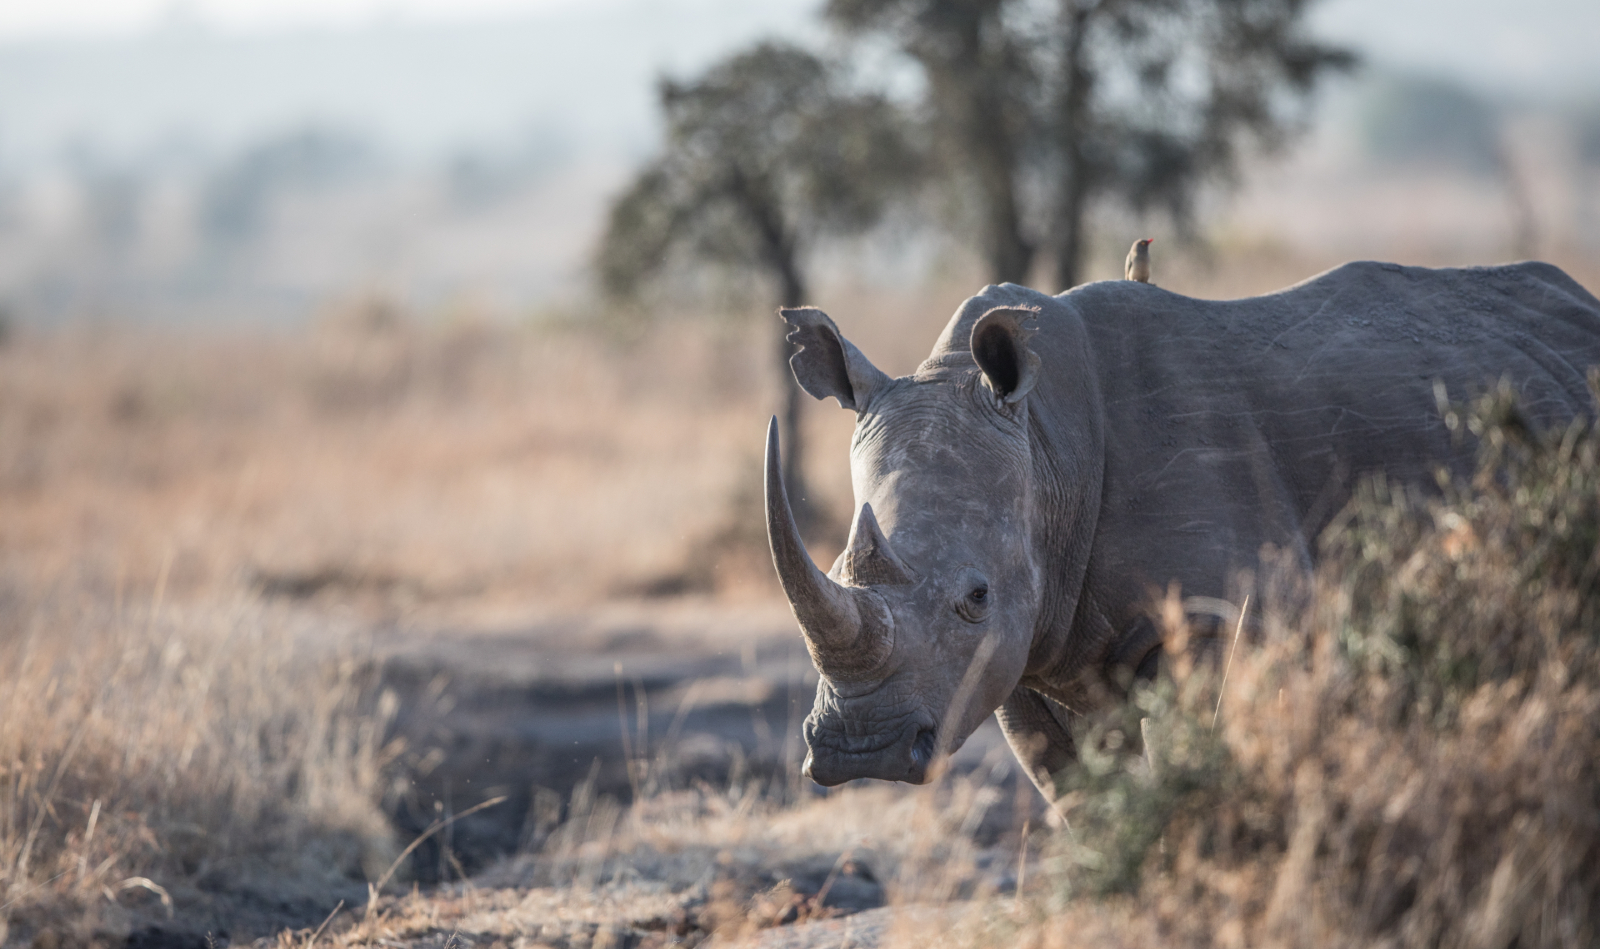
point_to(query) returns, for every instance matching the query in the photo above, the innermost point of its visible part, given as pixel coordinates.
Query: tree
(1076, 101)
(237, 201)
(765, 153)
(979, 81)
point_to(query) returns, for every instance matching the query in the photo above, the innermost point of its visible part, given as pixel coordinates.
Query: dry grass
(384, 460)
(174, 721)
(408, 465)
(679, 868)
(150, 751)
(198, 528)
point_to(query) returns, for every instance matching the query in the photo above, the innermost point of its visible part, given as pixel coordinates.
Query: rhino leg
(1036, 728)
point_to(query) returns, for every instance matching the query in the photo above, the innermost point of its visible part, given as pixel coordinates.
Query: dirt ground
(629, 700)
(641, 754)
(640, 762)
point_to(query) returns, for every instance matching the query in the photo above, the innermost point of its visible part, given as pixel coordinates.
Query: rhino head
(924, 624)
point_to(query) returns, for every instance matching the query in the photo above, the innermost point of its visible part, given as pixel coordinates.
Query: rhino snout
(832, 760)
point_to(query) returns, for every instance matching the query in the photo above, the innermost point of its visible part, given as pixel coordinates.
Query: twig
(958, 703)
(1022, 863)
(30, 889)
(627, 741)
(50, 792)
(373, 889)
(145, 883)
(1222, 690)
(88, 838)
(827, 884)
(318, 933)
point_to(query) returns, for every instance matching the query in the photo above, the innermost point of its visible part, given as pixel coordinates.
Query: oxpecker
(1137, 266)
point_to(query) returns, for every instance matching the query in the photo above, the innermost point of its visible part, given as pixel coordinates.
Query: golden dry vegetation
(202, 530)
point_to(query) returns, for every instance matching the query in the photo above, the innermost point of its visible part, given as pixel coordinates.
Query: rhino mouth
(908, 757)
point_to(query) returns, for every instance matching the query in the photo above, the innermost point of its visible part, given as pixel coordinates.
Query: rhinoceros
(1057, 458)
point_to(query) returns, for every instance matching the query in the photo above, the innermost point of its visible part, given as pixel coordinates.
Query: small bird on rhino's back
(1137, 266)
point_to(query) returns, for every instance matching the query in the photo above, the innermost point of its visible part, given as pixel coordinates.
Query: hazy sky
(582, 74)
(27, 18)
(1547, 47)
(424, 77)
(1541, 46)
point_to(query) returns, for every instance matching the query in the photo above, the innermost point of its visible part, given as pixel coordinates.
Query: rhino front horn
(847, 630)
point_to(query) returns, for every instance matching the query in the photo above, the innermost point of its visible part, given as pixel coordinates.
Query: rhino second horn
(868, 559)
(845, 640)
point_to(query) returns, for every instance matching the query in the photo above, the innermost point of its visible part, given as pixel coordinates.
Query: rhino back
(1249, 421)
(1229, 424)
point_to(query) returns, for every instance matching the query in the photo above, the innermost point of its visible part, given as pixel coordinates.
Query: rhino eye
(975, 604)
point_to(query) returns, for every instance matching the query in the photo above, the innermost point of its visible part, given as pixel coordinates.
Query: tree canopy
(1039, 108)
(1034, 111)
(763, 154)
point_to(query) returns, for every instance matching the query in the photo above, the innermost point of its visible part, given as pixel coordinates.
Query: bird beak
(1149, 240)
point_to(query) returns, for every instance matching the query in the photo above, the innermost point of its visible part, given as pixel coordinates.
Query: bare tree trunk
(781, 255)
(789, 428)
(1524, 220)
(992, 144)
(1072, 115)
(974, 90)
(1069, 229)
(1010, 254)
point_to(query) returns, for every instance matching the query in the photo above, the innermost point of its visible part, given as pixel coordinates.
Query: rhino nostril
(922, 749)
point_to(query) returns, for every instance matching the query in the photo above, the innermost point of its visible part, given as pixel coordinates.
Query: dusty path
(687, 692)
(536, 709)
(706, 703)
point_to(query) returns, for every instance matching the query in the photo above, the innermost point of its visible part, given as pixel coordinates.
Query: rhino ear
(827, 363)
(1000, 347)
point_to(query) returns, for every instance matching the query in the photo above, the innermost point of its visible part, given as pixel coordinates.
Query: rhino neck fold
(1066, 438)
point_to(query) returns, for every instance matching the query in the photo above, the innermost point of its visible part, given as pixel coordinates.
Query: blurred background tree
(1039, 110)
(1031, 113)
(1428, 122)
(764, 154)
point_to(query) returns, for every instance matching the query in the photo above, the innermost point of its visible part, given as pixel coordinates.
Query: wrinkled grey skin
(1072, 456)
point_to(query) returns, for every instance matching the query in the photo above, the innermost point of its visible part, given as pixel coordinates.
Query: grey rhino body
(1055, 460)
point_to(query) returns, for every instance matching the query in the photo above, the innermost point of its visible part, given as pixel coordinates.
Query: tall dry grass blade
(373, 889)
(31, 890)
(641, 701)
(1151, 759)
(318, 934)
(1022, 862)
(159, 597)
(627, 736)
(88, 838)
(1223, 688)
(49, 793)
(145, 883)
(833, 875)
